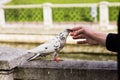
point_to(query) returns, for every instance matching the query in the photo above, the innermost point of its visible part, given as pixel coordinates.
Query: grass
(57, 1)
(59, 14)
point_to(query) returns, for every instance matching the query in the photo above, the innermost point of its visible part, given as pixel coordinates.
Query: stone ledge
(72, 64)
(12, 57)
(67, 70)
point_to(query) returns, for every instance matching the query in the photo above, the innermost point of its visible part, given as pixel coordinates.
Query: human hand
(90, 36)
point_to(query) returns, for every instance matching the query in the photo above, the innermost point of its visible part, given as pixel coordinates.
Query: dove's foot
(57, 59)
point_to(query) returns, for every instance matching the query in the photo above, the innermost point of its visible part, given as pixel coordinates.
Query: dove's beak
(69, 30)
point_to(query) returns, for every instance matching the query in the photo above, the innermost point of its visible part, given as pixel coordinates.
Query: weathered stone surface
(6, 77)
(12, 57)
(74, 64)
(67, 70)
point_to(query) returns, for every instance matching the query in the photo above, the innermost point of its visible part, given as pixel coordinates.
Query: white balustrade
(47, 11)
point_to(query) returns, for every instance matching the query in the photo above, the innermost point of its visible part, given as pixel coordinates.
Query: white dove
(52, 47)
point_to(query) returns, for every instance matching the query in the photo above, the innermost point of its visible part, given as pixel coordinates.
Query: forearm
(100, 37)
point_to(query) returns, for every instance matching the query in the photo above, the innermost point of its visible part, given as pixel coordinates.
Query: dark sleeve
(113, 42)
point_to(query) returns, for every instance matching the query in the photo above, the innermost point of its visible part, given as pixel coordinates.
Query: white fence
(47, 11)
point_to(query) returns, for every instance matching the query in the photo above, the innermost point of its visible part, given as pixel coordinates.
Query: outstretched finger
(79, 37)
(82, 42)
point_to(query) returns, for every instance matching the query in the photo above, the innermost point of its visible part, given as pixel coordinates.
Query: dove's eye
(46, 47)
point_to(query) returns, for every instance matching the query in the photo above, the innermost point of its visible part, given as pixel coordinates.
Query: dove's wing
(46, 48)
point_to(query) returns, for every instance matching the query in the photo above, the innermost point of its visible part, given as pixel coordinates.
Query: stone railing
(14, 66)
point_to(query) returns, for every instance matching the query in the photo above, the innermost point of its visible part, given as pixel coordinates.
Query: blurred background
(29, 23)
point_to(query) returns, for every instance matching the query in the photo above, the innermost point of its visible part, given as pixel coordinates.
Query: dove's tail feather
(33, 57)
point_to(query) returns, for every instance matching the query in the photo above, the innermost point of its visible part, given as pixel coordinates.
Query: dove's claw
(57, 59)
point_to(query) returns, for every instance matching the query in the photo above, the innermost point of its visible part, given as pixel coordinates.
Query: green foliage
(71, 14)
(59, 14)
(113, 13)
(27, 14)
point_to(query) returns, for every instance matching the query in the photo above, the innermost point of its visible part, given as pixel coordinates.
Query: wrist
(101, 38)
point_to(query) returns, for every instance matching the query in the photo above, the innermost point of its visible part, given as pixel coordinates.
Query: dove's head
(63, 35)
